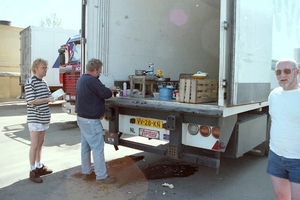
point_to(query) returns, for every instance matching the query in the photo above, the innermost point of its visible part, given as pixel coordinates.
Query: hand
(51, 99)
(113, 88)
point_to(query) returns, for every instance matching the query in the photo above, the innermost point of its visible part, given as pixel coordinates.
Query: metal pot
(140, 72)
(162, 79)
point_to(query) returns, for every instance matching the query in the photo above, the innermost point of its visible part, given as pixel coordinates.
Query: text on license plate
(149, 122)
(149, 133)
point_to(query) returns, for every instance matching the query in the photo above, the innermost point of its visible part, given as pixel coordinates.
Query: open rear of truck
(229, 40)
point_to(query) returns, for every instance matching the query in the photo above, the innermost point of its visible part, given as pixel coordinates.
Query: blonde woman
(37, 97)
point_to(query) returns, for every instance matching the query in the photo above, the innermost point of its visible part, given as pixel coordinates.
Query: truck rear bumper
(69, 108)
(189, 154)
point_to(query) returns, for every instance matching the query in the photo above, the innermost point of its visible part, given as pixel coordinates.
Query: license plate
(149, 133)
(149, 122)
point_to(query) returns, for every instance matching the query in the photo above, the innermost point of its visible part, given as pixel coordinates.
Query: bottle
(124, 89)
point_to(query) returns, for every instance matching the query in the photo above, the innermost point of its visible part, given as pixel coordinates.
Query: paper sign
(58, 93)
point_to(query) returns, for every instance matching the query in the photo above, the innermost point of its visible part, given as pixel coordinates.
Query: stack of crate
(198, 90)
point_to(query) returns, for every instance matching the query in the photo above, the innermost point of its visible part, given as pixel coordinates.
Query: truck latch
(109, 114)
(171, 122)
(112, 138)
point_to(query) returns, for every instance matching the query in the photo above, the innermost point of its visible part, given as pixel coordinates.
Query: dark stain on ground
(124, 169)
(127, 171)
(169, 171)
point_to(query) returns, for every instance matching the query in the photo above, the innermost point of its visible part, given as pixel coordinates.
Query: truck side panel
(249, 79)
(39, 42)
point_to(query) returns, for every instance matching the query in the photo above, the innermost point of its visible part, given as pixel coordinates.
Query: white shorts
(37, 127)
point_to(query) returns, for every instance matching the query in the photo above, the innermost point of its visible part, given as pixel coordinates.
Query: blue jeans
(284, 167)
(92, 140)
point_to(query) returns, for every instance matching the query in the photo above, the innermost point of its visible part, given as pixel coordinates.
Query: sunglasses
(286, 71)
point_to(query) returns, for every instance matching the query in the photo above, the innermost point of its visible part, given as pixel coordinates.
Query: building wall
(9, 61)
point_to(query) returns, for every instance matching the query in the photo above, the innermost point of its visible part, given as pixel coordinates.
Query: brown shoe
(89, 177)
(44, 170)
(107, 180)
(34, 176)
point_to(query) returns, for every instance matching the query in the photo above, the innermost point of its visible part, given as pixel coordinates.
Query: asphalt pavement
(242, 178)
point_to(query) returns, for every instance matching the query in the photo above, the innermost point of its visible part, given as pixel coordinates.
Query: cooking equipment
(162, 79)
(140, 72)
(165, 94)
(150, 71)
(166, 91)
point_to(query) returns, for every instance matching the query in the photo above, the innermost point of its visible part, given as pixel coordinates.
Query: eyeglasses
(44, 68)
(286, 71)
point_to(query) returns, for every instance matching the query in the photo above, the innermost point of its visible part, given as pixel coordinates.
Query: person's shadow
(59, 133)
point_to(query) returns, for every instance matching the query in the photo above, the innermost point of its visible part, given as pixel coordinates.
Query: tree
(52, 21)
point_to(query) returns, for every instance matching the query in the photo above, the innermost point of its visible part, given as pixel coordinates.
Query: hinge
(83, 40)
(223, 83)
(225, 25)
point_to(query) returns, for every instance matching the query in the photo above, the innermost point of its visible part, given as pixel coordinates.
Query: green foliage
(53, 21)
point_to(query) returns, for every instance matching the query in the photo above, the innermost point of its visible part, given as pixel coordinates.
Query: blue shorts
(284, 167)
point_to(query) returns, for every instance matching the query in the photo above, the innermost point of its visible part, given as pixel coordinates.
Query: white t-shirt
(284, 108)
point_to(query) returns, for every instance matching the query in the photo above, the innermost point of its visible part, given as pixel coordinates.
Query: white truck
(41, 42)
(230, 40)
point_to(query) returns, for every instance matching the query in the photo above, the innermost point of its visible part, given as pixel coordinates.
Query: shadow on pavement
(8, 108)
(67, 184)
(133, 184)
(55, 135)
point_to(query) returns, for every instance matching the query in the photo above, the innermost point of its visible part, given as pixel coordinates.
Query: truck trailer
(42, 42)
(224, 114)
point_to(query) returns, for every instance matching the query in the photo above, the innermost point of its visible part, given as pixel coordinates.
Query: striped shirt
(36, 88)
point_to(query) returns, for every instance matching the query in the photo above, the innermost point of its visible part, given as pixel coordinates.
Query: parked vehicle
(41, 42)
(227, 43)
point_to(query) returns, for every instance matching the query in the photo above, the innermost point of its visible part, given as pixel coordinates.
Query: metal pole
(83, 39)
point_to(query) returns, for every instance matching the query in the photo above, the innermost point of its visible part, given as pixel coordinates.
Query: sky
(24, 13)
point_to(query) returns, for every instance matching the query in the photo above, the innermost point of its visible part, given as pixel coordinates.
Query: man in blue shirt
(90, 108)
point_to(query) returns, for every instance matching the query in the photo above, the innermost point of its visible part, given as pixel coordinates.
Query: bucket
(165, 94)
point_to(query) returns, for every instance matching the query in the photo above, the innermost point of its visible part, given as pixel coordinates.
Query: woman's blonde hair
(36, 63)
